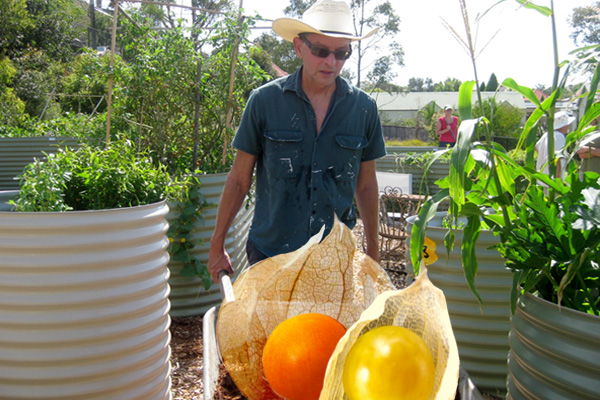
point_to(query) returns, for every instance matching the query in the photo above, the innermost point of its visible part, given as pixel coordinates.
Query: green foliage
(14, 20)
(281, 51)
(585, 24)
(189, 206)
(492, 84)
(422, 159)
(505, 119)
(428, 117)
(407, 143)
(86, 82)
(36, 79)
(449, 85)
(13, 108)
(55, 26)
(163, 80)
(554, 247)
(550, 237)
(87, 130)
(420, 85)
(92, 178)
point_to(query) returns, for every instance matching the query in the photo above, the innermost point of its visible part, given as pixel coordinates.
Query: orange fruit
(296, 354)
(389, 362)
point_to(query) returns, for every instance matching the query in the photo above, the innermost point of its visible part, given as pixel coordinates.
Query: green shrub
(407, 143)
(421, 159)
(86, 82)
(92, 178)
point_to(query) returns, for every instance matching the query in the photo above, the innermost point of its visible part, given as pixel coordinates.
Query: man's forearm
(367, 200)
(233, 197)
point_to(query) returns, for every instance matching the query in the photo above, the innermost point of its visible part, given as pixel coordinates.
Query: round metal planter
(438, 170)
(481, 333)
(554, 353)
(188, 296)
(84, 305)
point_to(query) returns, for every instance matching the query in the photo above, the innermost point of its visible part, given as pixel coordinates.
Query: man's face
(448, 113)
(320, 72)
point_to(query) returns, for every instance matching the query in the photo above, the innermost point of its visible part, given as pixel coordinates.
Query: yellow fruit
(388, 362)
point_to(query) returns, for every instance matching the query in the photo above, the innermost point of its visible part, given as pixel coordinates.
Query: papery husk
(421, 307)
(330, 278)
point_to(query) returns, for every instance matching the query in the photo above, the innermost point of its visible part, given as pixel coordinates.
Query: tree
(14, 20)
(368, 14)
(492, 84)
(482, 87)
(585, 22)
(57, 24)
(420, 85)
(449, 85)
(281, 51)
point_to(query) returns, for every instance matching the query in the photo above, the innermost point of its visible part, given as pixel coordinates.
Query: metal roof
(416, 100)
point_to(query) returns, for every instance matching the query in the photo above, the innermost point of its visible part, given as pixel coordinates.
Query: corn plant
(549, 238)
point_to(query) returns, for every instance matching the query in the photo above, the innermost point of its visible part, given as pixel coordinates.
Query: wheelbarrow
(212, 357)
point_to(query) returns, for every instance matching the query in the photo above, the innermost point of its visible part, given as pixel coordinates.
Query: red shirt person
(447, 128)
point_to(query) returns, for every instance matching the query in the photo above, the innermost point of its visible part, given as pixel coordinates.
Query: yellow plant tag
(429, 254)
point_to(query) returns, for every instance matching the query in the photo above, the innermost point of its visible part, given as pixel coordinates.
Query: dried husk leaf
(330, 278)
(421, 307)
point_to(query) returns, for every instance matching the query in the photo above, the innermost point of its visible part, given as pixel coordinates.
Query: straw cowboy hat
(562, 119)
(326, 17)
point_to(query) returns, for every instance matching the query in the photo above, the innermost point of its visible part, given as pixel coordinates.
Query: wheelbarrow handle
(226, 288)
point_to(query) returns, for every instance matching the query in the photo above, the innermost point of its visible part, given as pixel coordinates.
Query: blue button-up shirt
(303, 178)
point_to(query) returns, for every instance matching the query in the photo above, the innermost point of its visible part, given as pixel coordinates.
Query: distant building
(401, 106)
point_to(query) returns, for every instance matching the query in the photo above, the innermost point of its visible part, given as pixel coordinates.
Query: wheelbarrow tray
(212, 360)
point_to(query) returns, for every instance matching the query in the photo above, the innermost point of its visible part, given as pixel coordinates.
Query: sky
(520, 45)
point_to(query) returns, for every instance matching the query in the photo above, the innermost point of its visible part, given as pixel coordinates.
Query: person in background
(562, 124)
(313, 138)
(590, 154)
(447, 128)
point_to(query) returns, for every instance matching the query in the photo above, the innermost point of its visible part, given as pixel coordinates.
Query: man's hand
(218, 260)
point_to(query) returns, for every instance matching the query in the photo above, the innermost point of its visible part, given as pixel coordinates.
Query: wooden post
(229, 117)
(93, 31)
(113, 42)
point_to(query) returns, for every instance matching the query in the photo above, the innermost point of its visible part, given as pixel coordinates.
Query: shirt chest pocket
(348, 155)
(283, 153)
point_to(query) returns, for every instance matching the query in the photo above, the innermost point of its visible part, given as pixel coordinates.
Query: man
(562, 123)
(313, 138)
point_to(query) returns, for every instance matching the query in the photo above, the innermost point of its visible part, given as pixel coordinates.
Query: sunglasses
(339, 55)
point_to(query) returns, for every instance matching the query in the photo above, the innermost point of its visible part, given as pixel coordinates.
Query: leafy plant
(189, 205)
(505, 119)
(166, 80)
(549, 238)
(92, 178)
(423, 159)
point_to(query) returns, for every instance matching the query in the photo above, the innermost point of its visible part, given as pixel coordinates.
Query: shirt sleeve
(248, 137)
(376, 146)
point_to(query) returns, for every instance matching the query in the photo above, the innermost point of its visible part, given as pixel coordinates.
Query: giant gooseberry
(388, 362)
(296, 354)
